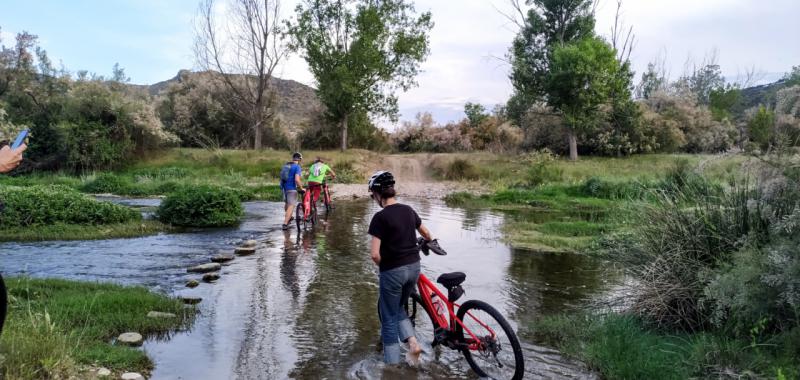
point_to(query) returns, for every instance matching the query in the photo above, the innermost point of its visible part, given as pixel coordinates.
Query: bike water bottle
(438, 306)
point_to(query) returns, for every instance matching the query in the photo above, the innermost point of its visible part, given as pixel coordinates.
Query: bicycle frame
(426, 288)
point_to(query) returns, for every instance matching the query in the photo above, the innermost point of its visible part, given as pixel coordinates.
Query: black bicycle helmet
(380, 180)
(297, 156)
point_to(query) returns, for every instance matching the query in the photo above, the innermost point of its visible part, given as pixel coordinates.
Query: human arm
(426, 234)
(375, 250)
(10, 158)
(333, 173)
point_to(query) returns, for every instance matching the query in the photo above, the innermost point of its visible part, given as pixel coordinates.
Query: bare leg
(414, 350)
(288, 216)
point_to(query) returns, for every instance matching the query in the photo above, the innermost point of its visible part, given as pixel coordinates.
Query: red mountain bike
(326, 197)
(303, 218)
(475, 328)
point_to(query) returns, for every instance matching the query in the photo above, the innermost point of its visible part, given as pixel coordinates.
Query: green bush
(542, 172)
(460, 169)
(108, 183)
(47, 205)
(345, 172)
(201, 206)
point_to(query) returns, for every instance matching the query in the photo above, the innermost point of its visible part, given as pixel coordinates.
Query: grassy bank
(623, 347)
(83, 232)
(252, 174)
(56, 328)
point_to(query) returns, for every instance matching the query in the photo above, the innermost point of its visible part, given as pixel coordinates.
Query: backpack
(286, 171)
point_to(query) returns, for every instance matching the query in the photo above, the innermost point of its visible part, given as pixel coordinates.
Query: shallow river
(304, 306)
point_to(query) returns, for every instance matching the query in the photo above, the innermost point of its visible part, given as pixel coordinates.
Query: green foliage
(623, 347)
(358, 51)
(724, 102)
(107, 183)
(760, 128)
(57, 326)
(61, 231)
(792, 78)
(548, 24)
(460, 169)
(579, 80)
(47, 205)
(201, 206)
(476, 114)
(542, 172)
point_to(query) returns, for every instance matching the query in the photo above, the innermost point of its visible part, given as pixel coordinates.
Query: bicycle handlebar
(433, 245)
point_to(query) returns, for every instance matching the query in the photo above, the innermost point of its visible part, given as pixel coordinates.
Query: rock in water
(204, 268)
(210, 277)
(249, 243)
(192, 284)
(223, 258)
(130, 339)
(244, 251)
(158, 314)
(190, 300)
(103, 372)
(132, 376)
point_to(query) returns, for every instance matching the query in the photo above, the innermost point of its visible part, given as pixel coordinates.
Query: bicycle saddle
(451, 280)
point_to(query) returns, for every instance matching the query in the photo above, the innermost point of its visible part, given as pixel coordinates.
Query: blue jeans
(396, 285)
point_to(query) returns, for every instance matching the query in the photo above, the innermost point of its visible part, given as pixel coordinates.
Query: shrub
(346, 173)
(108, 183)
(201, 206)
(543, 172)
(460, 169)
(47, 205)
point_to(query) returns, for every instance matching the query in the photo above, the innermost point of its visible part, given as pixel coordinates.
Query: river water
(304, 306)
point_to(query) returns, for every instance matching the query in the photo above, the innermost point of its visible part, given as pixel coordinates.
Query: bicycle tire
(516, 349)
(313, 213)
(3, 303)
(299, 215)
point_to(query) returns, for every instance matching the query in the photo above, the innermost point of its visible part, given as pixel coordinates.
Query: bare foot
(414, 351)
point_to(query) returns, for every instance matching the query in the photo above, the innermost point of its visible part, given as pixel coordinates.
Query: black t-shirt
(396, 226)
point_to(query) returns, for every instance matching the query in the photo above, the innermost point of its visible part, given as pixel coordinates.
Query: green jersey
(317, 172)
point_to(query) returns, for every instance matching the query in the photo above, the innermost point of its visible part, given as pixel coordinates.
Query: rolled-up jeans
(396, 285)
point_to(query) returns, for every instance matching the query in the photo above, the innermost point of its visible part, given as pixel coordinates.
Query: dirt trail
(413, 174)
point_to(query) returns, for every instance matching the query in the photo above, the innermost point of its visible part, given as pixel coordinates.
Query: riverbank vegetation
(57, 329)
(202, 206)
(47, 212)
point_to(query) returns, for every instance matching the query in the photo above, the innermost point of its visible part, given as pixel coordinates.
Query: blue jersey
(288, 183)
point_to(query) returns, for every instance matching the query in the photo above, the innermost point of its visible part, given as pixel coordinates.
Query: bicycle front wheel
(497, 353)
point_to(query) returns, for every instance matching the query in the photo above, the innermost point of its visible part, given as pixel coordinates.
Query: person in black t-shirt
(394, 249)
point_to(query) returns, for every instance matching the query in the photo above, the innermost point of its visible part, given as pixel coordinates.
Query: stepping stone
(223, 258)
(131, 376)
(249, 243)
(210, 277)
(130, 339)
(190, 300)
(158, 314)
(205, 268)
(244, 251)
(192, 284)
(103, 372)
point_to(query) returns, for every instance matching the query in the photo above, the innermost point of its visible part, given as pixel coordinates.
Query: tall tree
(583, 76)
(245, 51)
(545, 26)
(360, 52)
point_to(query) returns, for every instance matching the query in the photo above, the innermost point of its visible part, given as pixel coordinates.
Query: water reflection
(304, 306)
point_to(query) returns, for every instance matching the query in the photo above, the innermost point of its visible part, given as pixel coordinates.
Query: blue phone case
(20, 139)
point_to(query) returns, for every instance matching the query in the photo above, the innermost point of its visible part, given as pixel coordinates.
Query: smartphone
(20, 139)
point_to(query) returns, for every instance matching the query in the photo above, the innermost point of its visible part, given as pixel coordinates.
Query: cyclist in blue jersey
(291, 183)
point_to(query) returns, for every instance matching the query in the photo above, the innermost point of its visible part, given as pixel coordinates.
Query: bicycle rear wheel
(499, 355)
(299, 217)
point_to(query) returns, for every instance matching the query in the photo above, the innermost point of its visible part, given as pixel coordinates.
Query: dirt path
(413, 174)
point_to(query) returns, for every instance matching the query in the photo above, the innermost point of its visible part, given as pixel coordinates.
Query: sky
(152, 40)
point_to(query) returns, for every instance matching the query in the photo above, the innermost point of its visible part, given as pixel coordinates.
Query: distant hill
(297, 104)
(762, 94)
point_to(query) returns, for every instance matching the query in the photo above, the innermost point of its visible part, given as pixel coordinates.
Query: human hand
(10, 158)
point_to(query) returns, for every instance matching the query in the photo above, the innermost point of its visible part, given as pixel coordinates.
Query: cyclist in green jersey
(317, 173)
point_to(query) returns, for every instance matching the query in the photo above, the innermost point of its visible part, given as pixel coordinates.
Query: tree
(253, 32)
(581, 78)
(654, 79)
(793, 78)
(760, 128)
(360, 52)
(546, 26)
(476, 114)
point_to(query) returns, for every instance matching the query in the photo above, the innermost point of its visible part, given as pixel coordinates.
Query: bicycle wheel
(313, 214)
(299, 215)
(498, 357)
